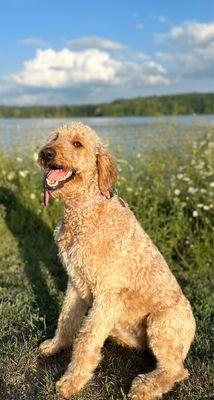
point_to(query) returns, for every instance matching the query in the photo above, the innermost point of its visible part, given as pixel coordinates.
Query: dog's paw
(49, 347)
(143, 388)
(68, 385)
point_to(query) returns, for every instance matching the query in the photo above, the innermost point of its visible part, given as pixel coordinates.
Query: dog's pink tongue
(46, 197)
(56, 174)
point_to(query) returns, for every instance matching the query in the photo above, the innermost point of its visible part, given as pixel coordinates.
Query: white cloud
(140, 26)
(193, 34)
(164, 56)
(191, 47)
(143, 56)
(188, 34)
(155, 74)
(82, 76)
(33, 42)
(160, 18)
(95, 42)
(65, 68)
(57, 69)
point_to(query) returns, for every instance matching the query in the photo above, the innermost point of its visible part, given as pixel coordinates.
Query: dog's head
(75, 161)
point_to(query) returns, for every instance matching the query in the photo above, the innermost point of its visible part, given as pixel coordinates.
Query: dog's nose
(47, 154)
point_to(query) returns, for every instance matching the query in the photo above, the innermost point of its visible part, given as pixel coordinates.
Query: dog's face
(72, 160)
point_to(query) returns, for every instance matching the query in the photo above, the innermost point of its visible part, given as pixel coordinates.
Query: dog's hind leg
(71, 316)
(169, 336)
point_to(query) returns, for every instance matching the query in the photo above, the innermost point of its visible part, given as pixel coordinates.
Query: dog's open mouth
(55, 179)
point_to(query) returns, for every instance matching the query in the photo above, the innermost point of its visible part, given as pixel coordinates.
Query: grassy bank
(171, 193)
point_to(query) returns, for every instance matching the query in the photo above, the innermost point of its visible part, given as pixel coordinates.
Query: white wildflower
(23, 173)
(206, 208)
(121, 160)
(11, 176)
(200, 205)
(200, 165)
(208, 173)
(19, 159)
(192, 190)
(203, 190)
(195, 214)
(139, 155)
(177, 192)
(32, 196)
(35, 156)
(212, 184)
(186, 179)
(180, 176)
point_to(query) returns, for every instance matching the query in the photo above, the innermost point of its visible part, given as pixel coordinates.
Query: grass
(170, 192)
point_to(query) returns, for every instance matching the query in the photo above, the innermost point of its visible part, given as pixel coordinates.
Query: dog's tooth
(52, 184)
(68, 174)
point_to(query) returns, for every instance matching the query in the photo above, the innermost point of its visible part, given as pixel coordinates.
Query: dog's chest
(73, 255)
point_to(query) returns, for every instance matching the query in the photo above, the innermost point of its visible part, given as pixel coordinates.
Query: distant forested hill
(191, 103)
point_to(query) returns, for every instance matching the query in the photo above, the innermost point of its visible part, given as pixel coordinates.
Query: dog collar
(87, 203)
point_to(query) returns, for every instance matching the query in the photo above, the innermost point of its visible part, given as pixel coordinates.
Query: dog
(119, 285)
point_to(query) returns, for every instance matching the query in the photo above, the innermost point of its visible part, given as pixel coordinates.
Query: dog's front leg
(73, 311)
(101, 319)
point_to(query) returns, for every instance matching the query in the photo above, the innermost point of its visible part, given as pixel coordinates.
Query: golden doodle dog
(119, 285)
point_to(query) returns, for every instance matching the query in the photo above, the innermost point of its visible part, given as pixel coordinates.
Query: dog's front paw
(69, 385)
(49, 347)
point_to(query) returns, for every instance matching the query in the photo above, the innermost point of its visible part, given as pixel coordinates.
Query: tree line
(180, 104)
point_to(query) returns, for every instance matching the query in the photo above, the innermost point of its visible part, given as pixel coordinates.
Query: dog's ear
(107, 174)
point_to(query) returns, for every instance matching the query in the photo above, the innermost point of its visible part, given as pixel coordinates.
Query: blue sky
(92, 51)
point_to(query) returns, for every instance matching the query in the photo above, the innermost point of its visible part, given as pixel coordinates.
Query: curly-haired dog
(114, 270)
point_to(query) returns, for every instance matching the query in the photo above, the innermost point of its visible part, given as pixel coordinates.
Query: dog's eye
(77, 144)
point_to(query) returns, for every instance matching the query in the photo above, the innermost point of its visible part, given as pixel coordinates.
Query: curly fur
(115, 274)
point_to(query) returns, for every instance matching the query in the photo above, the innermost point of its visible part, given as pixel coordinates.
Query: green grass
(170, 192)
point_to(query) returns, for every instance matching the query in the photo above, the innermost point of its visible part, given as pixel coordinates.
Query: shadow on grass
(37, 249)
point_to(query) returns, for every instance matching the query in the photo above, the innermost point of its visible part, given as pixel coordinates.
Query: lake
(126, 134)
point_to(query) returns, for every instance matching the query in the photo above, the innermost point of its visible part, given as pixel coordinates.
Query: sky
(92, 51)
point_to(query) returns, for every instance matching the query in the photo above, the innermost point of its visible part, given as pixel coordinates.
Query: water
(128, 134)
